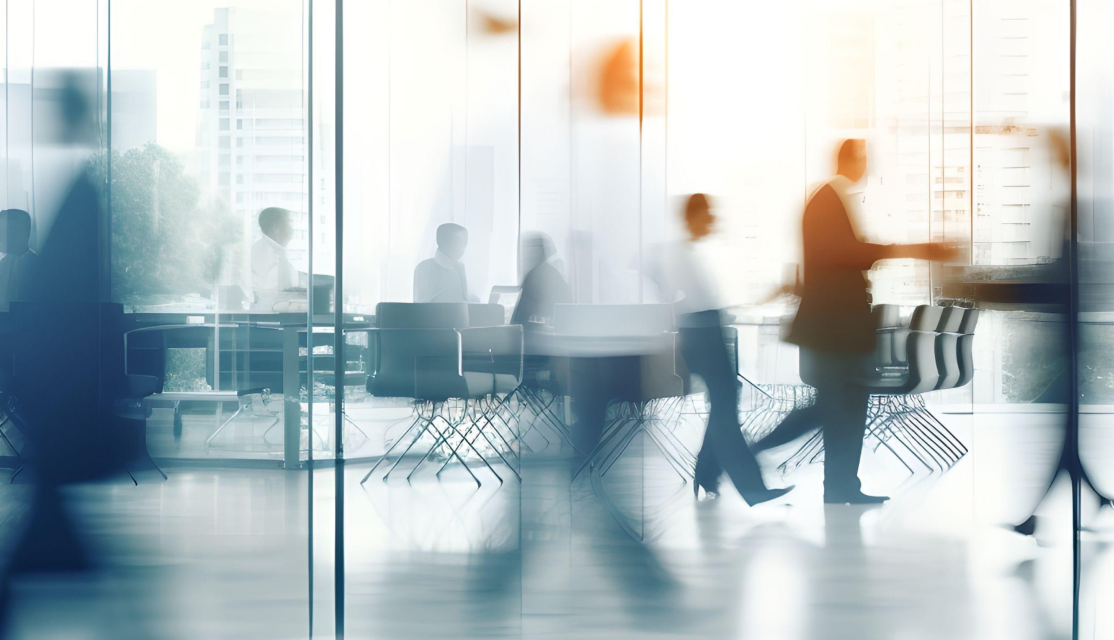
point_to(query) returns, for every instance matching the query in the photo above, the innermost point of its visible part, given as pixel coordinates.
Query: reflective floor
(222, 553)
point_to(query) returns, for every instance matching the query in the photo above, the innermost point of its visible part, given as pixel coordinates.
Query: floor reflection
(221, 553)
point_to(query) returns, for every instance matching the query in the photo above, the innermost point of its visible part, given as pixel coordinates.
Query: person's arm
(831, 241)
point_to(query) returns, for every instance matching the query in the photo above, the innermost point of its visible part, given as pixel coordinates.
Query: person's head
(452, 239)
(15, 231)
(851, 159)
(698, 216)
(275, 224)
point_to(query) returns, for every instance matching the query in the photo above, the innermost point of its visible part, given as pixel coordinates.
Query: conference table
(293, 330)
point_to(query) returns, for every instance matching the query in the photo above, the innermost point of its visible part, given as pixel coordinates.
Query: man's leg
(798, 423)
(706, 356)
(844, 427)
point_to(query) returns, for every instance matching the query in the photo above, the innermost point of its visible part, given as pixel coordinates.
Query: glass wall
(589, 122)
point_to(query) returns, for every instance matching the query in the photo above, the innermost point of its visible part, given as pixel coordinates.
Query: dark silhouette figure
(834, 328)
(542, 287)
(19, 260)
(442, 278)
(705, 352)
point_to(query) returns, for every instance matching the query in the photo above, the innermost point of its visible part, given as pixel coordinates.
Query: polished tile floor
(225, 553)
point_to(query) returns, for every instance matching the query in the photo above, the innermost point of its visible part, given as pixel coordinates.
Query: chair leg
(5, 436)
(134, 481)
(412, 426)
(224, 424)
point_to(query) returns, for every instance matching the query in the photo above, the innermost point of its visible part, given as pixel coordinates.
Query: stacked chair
(932, 353)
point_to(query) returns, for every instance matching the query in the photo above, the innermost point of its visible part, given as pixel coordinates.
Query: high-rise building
(252, 130)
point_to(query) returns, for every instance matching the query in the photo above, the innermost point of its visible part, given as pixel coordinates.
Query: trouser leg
(706, 356)
(796, 424)
(844, 426)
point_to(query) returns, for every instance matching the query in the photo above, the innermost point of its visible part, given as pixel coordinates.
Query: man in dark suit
(834, 329)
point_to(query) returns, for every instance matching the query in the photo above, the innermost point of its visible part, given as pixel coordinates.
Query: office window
(224, 143)
(239, 178)
(240, 197)
(239, 142)
(223, 72)
(223, 90)
(224, 105)
(239, 161)
(222, 56)
(239, 123)
(223, 124)
(223, 39)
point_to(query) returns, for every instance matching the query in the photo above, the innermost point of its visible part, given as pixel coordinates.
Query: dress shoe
(856, 497)
(1027, 528)
(764, 495)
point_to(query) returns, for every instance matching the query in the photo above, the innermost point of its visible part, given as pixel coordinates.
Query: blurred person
(19, 259)
(700, 323)
(442, 278)
(273, 277)
(1089, 352)
(834, 328)
(543, 285)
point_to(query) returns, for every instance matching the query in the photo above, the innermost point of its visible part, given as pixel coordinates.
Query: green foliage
(164, 240)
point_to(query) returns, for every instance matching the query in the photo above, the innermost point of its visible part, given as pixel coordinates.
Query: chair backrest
(424, 364)
(951, 318)
(965, 356)
(970, 319)
(421, 315)
(886, 316)
(926, 317)
(486, 315)
(612, 320)
(947, 360)
(923, 372)
(966, 359)
(887, 319)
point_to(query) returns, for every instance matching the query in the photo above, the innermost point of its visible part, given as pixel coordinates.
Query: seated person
(543, 285)
(441, 278)
(19, 259)
(273, 278)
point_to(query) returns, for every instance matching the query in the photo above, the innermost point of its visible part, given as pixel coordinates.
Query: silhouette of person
(543, 286)
(834, 329)
(442, 278)
(19, 259)
(273, 277)
(700, 324)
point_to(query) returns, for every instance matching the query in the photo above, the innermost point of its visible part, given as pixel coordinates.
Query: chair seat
(141, 386)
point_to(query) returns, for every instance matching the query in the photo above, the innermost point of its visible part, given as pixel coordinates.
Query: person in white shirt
(442, 278)
(702, 345)
(273, 277)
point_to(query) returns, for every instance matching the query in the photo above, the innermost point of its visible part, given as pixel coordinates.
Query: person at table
(442, 278)
(19, 259)
(273, 278)
(700, 324)
(542, 287)
(833, 326)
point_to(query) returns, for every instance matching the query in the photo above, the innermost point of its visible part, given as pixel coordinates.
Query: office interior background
(376, 121)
